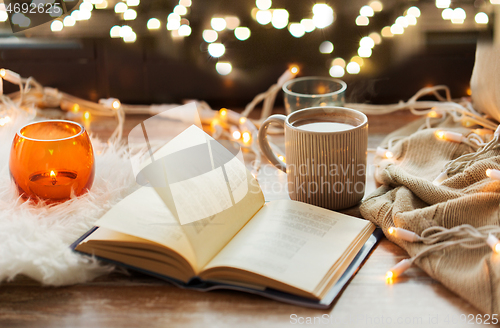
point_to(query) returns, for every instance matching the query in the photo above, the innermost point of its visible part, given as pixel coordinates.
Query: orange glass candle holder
(52, 160)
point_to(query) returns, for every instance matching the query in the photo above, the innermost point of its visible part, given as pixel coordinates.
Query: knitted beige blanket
(408, 199)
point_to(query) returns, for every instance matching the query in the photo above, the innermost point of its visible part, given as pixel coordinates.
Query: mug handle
(264, 143)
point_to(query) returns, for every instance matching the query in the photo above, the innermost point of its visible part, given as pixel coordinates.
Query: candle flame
(53, 177)
(86, 115)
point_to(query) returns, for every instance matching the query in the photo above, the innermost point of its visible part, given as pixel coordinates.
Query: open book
(282, 249)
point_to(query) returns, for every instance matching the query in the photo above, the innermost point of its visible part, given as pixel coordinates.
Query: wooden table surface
(136, 300)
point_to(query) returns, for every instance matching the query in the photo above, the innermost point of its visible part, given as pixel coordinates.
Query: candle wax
(53, 184)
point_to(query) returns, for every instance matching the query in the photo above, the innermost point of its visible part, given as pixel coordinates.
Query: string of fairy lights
(322, 16)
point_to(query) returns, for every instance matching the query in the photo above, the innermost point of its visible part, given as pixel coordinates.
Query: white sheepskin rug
(35, 238)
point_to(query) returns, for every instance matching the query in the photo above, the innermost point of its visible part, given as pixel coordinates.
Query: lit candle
(53, 184)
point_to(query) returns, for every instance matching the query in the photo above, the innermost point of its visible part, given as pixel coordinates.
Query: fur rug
(35, 238)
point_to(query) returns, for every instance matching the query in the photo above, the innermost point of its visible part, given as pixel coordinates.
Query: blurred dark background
(85, 61)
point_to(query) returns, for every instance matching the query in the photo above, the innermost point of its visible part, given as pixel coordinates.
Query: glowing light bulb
(102, 5)
(397, 29)
(449, 136)
(56, 26)
(336, 71)
(130, 14)
(86, 6)
(403, 234)
(84, 15)
(180, 10)
(494, 243)
(223, 112)
(232, 22)
(246, 137)
(4, 120)
(125, 31)
(210, 36)
(481, 18)
(263, 4)
(377, 39)
(308, 24)
(364, 52)
(185, 3)
(412, 20)
(130, 38)
(218, 23)
(367, 42)
(362, 21)
(173, 17)
(296, 30)
(386, 32)
(440, 178)
(381, 152)
(264, 17)
(294, 69)
(414, 11)
(173, 25)
(434, 114)
(243, 120)
(447, 14)
(10, 76)
(216, 49)
(153, 24)
(326, 47)
(493, 174)
(358, 60)
(401, 20)
(86, 115)
(121, 7)
(443, 3)
(236, 134)
(282, 158)
(459, 16)
(398, 269)
(223, 68)
(69, 21)
(114, 32)
(323, 15)
(353, 68)
(376, 6)
(280, 18)
(132, 3)
(184, 30)
(75, 108)
(339, 61)
(242, 33)
(3, 16)
(366, 11)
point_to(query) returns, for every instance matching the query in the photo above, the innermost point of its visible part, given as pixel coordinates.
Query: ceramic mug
(325, 154)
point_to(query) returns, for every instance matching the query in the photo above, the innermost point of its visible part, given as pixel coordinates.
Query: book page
(143, 214)
(290, 242)
(206, 187)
